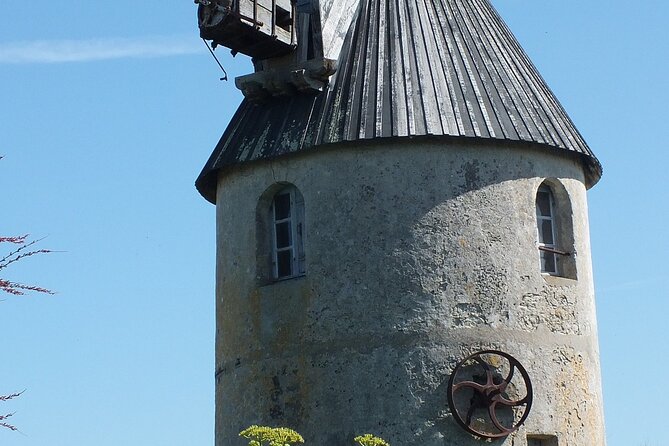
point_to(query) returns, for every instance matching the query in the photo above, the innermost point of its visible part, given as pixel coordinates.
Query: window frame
(547, 249)
(562, 250)
(295, 220)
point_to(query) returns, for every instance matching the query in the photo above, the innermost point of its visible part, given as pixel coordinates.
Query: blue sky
(108, 110)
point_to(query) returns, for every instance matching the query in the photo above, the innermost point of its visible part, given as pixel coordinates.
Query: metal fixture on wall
(487, 397)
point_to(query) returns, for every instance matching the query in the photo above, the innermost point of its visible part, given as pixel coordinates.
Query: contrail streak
(60, 51)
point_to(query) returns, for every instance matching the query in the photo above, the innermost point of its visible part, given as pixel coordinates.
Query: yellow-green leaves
(271, 436)
(282, 436)
(370, 440)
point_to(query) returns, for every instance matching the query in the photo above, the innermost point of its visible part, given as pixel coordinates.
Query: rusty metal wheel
(487, 397)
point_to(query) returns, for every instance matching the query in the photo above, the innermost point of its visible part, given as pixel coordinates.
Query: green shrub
(282, 436)
(271, 436)
(370, 440)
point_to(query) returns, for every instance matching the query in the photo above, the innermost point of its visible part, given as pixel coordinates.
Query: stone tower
(399, 190)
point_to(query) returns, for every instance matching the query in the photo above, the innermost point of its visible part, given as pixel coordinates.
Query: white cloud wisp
(60, 51)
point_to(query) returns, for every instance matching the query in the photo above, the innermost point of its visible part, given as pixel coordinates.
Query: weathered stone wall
(418, 254)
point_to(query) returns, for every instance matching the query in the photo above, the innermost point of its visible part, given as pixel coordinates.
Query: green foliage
(370, 440)
(271, 436)
(282, 436)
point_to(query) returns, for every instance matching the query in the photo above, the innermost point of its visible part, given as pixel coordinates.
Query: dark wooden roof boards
(410, 68)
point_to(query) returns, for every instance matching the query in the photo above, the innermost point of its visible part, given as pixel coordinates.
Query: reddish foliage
(17, 240)
(3, 418)
(17, 253)
(7, 425)
(21, 252)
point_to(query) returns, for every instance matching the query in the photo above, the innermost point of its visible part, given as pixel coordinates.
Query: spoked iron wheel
(490, 394)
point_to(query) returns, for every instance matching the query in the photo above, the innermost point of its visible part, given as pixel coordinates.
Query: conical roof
(411, 68)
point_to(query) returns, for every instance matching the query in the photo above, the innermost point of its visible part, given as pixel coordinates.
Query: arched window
(546, 230)
(555, 238)
(287, 233)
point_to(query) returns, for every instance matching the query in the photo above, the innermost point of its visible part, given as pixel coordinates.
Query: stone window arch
(280, 233)
(555, 230)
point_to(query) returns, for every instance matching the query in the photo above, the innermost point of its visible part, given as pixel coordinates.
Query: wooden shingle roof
(411, 68)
